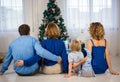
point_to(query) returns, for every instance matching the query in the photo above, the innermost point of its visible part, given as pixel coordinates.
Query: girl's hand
(71, 74)
(114, 72)
(67, 75)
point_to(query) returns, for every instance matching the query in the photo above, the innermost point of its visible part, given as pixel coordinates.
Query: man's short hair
(24, 29)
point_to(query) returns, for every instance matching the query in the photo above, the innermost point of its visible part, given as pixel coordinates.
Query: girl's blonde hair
(96, 30)
(75, 45)
(52, 31)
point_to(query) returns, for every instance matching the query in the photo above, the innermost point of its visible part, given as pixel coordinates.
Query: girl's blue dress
(99, 62)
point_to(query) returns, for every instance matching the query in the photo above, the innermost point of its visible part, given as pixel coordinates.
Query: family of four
(50, 55)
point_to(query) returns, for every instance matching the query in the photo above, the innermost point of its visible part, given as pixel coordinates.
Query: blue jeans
(33, 73)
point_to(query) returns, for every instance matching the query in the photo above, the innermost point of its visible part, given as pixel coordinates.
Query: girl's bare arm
(109, 61)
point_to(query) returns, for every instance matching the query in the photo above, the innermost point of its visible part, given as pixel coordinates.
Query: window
(11, 15)
(80, 13)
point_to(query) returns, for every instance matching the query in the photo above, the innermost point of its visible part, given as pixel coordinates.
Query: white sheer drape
(11, 15)
(31, 13)
(80, 13)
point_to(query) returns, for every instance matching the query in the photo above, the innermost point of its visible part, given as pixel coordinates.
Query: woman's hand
(20, 63)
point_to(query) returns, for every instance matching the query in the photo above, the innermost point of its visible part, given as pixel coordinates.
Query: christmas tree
(52, 14)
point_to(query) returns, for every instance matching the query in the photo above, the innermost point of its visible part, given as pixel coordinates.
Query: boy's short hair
(24, 29)
(75, 45)
(52, 31)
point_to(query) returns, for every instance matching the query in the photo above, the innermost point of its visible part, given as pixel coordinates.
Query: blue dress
(99, 62)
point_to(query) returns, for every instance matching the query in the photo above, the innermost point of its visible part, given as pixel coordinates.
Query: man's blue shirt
(23, 48)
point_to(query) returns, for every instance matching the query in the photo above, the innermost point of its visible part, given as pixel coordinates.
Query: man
(23, 48)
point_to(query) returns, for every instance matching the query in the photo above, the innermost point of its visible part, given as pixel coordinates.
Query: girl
(98, 46)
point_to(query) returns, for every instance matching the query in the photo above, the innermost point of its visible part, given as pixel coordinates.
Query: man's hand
(60, 60)
(20, 63)
(1, 73)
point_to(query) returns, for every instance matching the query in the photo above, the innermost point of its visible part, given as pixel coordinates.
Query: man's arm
(45, 54)
(6, 62)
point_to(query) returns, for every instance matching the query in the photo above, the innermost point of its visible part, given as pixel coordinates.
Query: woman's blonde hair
(96, 30)
(52, 31)
(75, 45)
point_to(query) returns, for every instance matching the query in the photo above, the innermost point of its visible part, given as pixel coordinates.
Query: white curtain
(16, 12)
(13, 13)
(80, 13)
(32, 15)
(11, 16)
